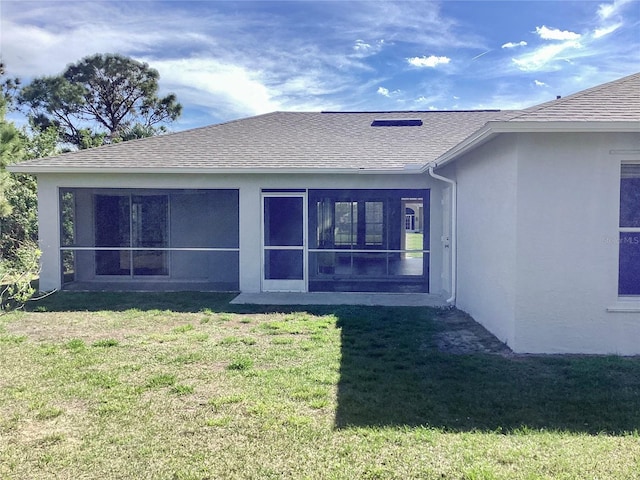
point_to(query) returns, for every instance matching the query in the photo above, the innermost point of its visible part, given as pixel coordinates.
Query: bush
(16, 276)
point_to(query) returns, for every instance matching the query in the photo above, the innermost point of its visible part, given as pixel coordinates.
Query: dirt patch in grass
(92, 327)
(459, 333)
(462, 335)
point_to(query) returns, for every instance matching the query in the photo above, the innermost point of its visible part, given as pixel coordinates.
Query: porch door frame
(285, 285)
(447, 231)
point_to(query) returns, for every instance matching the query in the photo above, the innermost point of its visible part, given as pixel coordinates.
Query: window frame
(135, 251)
(381, 222)
(624, 230)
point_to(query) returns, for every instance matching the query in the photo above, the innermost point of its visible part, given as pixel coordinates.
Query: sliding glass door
(168, 238)
(131, 227)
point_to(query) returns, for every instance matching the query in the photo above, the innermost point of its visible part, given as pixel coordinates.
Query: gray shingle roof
(614, 101)
(336, 140)
(288, 140)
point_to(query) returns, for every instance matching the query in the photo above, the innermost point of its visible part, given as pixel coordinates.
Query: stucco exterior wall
(49, 234)
(567, 245)
(486, 235)
(249, 186)
(538, 242)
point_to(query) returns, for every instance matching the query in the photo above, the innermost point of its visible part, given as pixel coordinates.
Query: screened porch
(149, 239)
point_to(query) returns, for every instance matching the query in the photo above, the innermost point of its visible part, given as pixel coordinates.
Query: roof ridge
(488, 110)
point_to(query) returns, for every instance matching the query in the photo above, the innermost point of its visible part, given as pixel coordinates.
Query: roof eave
(573, 126)
(37, 170)
(492, 129)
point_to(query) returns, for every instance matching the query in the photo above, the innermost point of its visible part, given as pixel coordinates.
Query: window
(409, 219)
(351, 217)
(629, 259)
(346, 219)
(374, 223)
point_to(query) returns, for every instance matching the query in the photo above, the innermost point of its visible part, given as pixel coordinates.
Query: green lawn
(414, 242)
(183, 386)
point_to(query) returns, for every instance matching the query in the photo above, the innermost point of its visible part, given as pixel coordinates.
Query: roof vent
(397, 122)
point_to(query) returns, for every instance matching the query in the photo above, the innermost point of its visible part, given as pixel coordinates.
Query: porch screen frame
(322, 225)
(68, 234)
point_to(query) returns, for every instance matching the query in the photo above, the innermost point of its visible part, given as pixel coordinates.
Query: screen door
(283, 256)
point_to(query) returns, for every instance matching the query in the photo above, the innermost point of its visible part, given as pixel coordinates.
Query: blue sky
(232, 59)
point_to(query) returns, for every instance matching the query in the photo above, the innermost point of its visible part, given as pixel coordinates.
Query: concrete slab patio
(342, 298)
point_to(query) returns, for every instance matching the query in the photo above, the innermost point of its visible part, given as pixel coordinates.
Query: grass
(414, 242)
(187, 387)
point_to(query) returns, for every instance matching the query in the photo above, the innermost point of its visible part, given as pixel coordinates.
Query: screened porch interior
(149, 239)
(181, 239)
(369, 240)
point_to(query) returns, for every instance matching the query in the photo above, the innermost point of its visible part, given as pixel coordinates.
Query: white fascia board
(473, 141)
(35, 170)
(575, 126)
(492, 129)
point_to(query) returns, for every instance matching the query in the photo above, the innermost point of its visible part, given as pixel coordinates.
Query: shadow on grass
(392, 374)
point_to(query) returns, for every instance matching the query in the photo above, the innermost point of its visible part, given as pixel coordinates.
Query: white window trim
(626, 303)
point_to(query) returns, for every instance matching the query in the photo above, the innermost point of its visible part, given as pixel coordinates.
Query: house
(528, 220)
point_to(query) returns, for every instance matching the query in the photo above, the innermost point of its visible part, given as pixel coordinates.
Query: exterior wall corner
(49, 235)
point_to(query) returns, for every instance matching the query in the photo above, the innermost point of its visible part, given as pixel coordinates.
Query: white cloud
(385, 92)
(545, 58)
(363, 49)
(38, 51)
(593, 49)
(608, 10)
(210, 83)
(415, 23)
(514, 45)
(555, 34)
(611, 16)
(361, 45)
(603, 32)
(228, 72)
(605, 10)
(423, 102)
(431, 61)
(224, 62)
(538, 83)
(431, 101)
